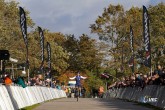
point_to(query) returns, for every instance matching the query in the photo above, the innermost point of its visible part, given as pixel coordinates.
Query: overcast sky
(73, 16)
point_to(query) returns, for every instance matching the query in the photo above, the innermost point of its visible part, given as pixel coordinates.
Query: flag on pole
(23, 25)
(24, 29)
(48, 75)
(146, 36)
(41, 34)
(131, 39)
(131, 61)
(49, 55)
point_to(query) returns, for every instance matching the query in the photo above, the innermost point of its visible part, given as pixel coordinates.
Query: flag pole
(132, 48)
(146, 35)
(23, 26)
(41, 34)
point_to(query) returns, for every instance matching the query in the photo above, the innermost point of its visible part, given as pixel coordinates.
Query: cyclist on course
(78, 78)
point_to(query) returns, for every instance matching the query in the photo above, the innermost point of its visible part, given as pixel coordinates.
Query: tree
(114, 25)
(88, 52)
(157, 31)
(59, 56)
(85, 53)
(10, 32)
(72, 47)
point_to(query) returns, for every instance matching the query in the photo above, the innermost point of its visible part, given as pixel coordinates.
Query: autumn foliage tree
(113, 26)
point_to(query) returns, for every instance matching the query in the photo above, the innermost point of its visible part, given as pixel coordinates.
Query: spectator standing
(101, 91)
(66, 91)
(1, 80)
(20, 81)
(83, 91)
(72, 92)
(76, 92)
(69, 92)
(7, 80)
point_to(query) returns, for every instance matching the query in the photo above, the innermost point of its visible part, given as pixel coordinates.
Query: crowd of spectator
(72, 92)
(37, 80)
(141, 80)
(7, 80)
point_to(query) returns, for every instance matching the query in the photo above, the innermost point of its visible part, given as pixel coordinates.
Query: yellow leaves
(63, 78)
(115, 9)
(159, 41)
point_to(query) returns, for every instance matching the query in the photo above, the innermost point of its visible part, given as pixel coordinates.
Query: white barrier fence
(16, 97)
(153, 94)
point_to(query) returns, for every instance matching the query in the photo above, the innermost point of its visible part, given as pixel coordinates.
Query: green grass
(36, 105)
(30, 107)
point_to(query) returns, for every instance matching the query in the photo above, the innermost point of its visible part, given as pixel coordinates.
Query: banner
(48, 74)
(122, 57)
(131, 61)
(146, 36)
(24, 29)
(49, 55)
(42, 46)
(131, 39)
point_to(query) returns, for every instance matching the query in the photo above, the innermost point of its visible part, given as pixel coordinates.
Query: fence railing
(16, 97)
(153, 94)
